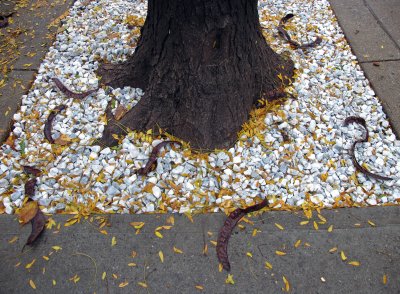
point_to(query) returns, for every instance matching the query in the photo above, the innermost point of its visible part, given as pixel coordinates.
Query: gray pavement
(309, 268)
(371, 27)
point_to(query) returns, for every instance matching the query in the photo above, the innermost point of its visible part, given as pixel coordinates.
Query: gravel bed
(298, 158)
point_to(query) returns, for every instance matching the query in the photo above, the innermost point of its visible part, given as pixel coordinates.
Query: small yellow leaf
(54, 282)
(171, 220)
(131, 264)
(280, 227)
(189, 216)
(255, 231)
(287, 285)
(297, 244)
(123, 284)
(137, 225)
(104, 232)
(249, 254)
(205, 249)
(161, 255)
(133, 254)
(330, 229)
(220, 267)
(56, 248)
(176, 250)
(45, 257)
(372, 224)
(268, 265)
(29, 265)
(229, 280)
(32, 284)
(213, 242)
(280, 253)
(322, 218)
(113, 241)
(142, 284)
(384, 279)
(71, 222)
(302, 223)
(332, 250)
(315, 226)
(355, 263)
(115, 276)
(13, 239)
(103, 276)
(158, 234)
(343, 256)
(18, 264)
(198, 287)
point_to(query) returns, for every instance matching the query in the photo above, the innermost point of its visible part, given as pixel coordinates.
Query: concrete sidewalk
(309, 268)
(371, 27)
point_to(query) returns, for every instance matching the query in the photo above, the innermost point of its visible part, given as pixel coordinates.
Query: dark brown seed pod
(49, 123)
(30, 187)
(30, 170)
(282, 31)
(152, 162)
(360, 121)
(359, 167)
(71, 94)
(38, 223)
(226, 231)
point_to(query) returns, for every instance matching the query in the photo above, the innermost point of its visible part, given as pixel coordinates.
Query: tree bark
(202, 64)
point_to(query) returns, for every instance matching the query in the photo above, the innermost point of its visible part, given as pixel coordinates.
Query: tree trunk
(202, 65)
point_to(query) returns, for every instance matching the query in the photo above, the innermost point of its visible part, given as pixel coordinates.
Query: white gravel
(312, 167)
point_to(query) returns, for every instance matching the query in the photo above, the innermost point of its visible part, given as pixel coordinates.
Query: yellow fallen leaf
(306, 244)
(13, 239)
(249, 254)
(56, 248)
(176, 250)
(133, 254)
(229, 280)
(50, 223)
(355, 263)
(280, 227)
(321, 218)
(113, 241)
(163, 228)
(142, 284)
(372, 224)
(28, 212)
(171, 220)
(18, 264)
(280, 253)
(189, 216)
(198, 287)
(205, 249)
(268, 265)
(137, 225)
(255, 231)
(104, 232)
(213, 242)
(75, 279)
(286, 282)
(332, 250)
(161, 255)
(115, 276)
(32, 284)
(123, 284)
(330, 229)
(71, 222)
(384, 279)
(54, 282)
(44, 270)
(315, 226)
(103, 276)
(29, 265)
(343, 256)
(158, 234)
(131, 264)
(220, 267)
(45, 257)
(302, 223)
(297, 244)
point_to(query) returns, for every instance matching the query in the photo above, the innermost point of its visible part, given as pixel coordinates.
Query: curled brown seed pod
(226, 231)
(38, 223)
(49, 123)
(152, 162)
(71, 94)
(30, 170)
(282, 31)
(30, 187)
(359, 167)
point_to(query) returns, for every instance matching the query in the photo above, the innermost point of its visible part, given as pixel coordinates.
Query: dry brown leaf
(28, 212)
(120, 112)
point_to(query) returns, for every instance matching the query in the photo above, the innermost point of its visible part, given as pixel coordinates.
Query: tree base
(202, 67)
